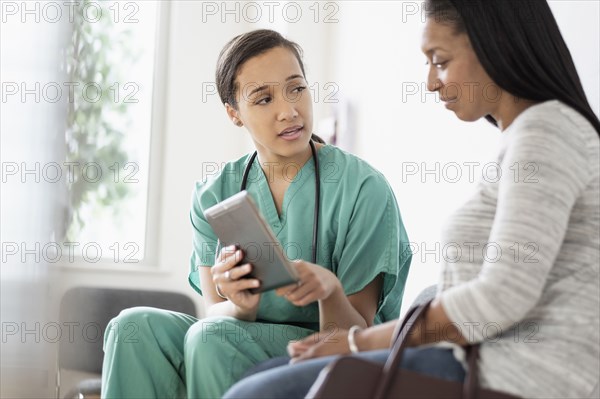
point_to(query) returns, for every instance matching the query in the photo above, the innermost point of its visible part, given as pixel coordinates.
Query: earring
(237, 122)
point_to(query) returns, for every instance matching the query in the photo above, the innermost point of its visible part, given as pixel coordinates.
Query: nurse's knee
(135, 323)
(212, 334)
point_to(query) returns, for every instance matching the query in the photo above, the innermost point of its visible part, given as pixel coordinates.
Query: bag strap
(400, 341)
(471, 385)
(403, 328)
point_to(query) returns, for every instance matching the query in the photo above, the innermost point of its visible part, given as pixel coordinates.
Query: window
(112, 70)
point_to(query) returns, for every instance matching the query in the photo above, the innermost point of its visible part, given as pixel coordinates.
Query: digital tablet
(237, 221)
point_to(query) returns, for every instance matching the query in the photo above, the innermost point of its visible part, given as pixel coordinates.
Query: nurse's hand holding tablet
(233, 282)
(229, 279)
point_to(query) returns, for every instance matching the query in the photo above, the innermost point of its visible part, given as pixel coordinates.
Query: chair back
(86, 311)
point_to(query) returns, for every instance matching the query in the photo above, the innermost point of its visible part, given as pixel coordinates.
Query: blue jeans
(276, 379)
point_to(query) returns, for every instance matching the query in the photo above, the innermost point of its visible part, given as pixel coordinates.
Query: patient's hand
(316, 284)
(335, 341)
(324, 343)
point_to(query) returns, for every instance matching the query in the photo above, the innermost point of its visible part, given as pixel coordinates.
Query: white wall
(579, 22)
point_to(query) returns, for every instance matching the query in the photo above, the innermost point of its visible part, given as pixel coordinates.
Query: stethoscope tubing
(317, 194)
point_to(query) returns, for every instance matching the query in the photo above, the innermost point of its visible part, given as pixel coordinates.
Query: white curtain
(32, 200)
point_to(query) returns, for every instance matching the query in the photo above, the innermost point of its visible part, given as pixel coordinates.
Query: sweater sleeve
(544, 170)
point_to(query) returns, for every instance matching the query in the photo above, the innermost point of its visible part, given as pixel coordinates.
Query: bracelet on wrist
(351, 338)
(219, 293)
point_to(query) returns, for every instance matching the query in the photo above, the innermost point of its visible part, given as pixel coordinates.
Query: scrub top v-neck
(258, 178)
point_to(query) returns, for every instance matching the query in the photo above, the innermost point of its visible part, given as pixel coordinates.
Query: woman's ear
(232, 113)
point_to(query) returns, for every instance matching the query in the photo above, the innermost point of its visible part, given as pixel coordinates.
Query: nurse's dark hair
(239, 50)
(520, 46)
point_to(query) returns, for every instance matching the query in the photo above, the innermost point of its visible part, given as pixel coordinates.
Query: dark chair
(84, 314)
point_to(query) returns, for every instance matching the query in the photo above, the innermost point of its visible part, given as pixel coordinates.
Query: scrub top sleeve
(203, 238)
(376, 243)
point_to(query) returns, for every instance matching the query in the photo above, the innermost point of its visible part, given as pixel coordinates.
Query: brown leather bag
(352, 377)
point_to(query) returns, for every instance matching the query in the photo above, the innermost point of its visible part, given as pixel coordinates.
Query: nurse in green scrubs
(363, 253)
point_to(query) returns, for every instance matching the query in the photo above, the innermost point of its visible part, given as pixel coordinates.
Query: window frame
(151, 258)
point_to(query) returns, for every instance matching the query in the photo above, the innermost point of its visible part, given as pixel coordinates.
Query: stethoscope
(317, 194)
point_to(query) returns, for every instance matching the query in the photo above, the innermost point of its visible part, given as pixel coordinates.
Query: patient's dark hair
(239, 50)
(519, 45)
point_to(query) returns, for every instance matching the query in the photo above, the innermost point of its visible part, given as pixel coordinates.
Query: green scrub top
(361, 234)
